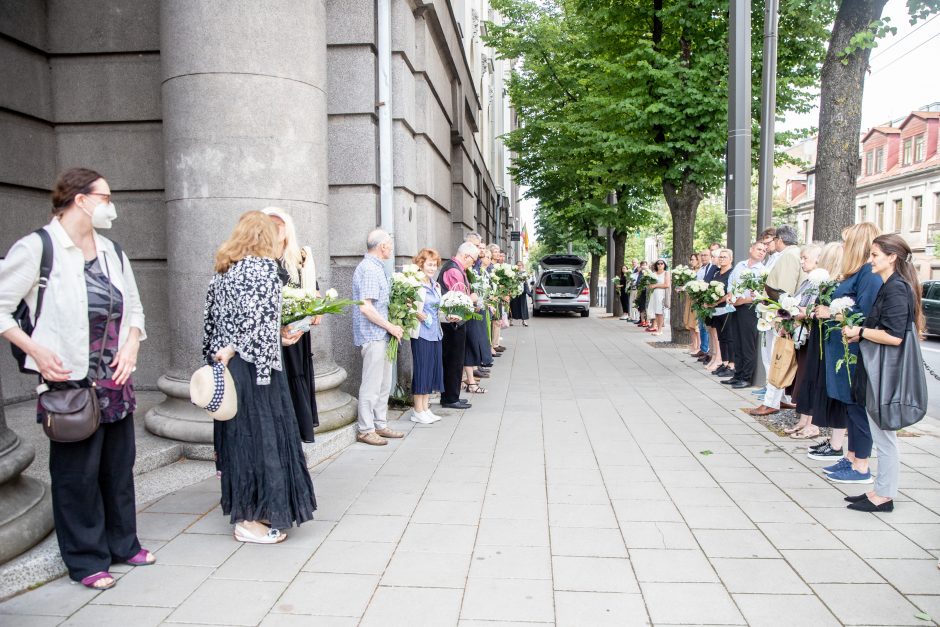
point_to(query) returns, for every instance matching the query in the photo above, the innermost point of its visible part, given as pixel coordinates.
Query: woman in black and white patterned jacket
(264, 474)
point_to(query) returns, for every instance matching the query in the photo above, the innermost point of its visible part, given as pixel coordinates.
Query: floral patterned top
(243, 309)
(116, 401)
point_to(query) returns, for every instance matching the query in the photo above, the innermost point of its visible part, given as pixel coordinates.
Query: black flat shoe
(856, 499)
(868, 506)
(730, 381)
(740, 384)
(463, 405)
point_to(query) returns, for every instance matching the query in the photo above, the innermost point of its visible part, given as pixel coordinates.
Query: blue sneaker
(760, 392)
(842, 464)
(850, 475)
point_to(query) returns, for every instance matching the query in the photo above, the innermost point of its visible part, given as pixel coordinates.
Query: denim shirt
(430, 329)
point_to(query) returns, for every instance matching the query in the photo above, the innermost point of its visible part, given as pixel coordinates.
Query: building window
(879, 160)
(880, 214)
(917, 213)
(919, 148)
(869, 163)
(810, 185)
(936, 207)
(863, 214)
(908, 153)
(898, 215)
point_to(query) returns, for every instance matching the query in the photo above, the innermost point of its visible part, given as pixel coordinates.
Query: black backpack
(21, 315)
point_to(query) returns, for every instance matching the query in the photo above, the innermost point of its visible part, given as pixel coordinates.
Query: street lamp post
(738, 183)
(768, 107)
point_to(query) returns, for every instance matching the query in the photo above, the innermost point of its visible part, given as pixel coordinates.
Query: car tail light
(539, 290)
(586, 291)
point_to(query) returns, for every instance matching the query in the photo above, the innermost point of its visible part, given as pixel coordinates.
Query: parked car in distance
(930, 296)
(560, 286)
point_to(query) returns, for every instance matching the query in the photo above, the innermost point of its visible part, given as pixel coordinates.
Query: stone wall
(82, 87)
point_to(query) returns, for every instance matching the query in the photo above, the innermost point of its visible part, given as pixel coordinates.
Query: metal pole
(611, 200)
(386, 183)
(768, 109)
(739, 129)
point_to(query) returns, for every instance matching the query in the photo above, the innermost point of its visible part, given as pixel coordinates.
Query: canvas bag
(782, 363)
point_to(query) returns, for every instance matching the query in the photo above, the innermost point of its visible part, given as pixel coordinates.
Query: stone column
(244, 127)
(25, 503)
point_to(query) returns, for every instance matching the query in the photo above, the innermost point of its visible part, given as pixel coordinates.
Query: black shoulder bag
(896, 393)
(72, 410)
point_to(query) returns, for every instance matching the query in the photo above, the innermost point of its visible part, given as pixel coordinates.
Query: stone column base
(177, 418)
(25, 503)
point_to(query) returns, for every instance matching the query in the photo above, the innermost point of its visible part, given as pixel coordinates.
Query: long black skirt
(478, 352)
(519, 307)
(298, 368)
(264, 473)
(811, 398)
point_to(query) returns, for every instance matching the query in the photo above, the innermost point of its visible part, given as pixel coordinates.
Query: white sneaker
(421, 417)
(434, 417)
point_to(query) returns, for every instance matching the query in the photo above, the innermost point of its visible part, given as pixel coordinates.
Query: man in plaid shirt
(371, 331)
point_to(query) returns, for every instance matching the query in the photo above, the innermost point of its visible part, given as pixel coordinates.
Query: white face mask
(102, 215)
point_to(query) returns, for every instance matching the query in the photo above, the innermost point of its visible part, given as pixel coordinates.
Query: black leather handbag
(72, 410)
(896, 393)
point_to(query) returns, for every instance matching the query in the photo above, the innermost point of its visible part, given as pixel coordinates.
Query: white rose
(332, 294)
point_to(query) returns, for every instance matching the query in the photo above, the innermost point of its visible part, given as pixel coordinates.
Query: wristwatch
(860, 331)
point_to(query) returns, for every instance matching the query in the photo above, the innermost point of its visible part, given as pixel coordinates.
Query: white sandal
(273, 536)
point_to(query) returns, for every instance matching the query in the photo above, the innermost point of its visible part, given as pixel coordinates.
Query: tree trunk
(595, 273)
(620, 240)
(840, 120)
(683, 203)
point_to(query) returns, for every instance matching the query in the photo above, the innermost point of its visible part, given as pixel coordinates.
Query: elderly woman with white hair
(296, 268)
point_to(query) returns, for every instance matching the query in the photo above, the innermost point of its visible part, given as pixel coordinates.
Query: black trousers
(724, 325)
(453, 349)
(93, 501)
(745, 342)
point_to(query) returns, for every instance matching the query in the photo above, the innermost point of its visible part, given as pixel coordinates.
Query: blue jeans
(703, 336)
(859, 433)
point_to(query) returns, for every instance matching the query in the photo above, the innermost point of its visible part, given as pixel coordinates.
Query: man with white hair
(474, 238)
(371, 331)
(453, 277)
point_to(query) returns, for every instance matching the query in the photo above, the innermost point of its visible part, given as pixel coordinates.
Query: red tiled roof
(900, 170)
(884, 130)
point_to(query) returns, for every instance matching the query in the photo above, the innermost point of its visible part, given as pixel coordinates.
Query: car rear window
(931, 291)
(560, 279)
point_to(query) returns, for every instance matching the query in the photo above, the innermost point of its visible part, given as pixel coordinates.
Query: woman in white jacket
(90, 326)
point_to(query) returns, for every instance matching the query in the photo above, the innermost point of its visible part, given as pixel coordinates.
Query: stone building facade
(347, 113)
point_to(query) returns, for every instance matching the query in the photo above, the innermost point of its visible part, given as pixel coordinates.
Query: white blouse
(60, 328)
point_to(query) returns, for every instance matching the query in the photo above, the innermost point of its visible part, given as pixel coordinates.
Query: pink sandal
(143, 558)
(91, 580)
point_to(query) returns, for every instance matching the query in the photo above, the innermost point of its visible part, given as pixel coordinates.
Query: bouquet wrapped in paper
(403, 304)
(457, 305)
(682, 275)
(299, 306)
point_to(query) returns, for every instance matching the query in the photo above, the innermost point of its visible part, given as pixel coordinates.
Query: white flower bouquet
(753, 281)
(505, 280)
(780, 314)
(702, 294)
(403, 304)
(299, 306)
(645, 280)
(682, 275)
(459, 305)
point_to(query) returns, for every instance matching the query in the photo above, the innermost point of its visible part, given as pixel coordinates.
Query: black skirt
(478, 352)
(264, 472)
(298, 368)
(811, 398)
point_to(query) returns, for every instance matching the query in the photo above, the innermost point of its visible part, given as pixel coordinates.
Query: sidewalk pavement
(600, 481)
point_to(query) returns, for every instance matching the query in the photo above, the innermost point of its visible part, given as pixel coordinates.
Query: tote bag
(782, 363)
(896, 393)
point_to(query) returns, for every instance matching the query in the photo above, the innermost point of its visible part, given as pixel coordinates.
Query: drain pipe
(386, 182)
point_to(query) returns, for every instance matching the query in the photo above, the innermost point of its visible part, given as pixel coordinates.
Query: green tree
(617, 91)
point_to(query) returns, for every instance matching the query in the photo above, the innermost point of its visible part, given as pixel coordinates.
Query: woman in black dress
(296, 268)
(265, 483)
(519, 306)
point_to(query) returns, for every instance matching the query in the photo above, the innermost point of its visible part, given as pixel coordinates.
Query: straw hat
(213, 389)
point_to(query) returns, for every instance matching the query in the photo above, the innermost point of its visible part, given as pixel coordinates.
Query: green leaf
(706, 452)
(922, 616)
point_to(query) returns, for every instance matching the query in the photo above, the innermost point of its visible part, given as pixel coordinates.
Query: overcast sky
(905, 75)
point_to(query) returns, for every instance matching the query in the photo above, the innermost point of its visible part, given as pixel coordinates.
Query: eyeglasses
(107, 197)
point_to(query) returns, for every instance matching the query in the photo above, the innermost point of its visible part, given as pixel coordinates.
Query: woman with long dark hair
(659, 293)
(895, 309)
